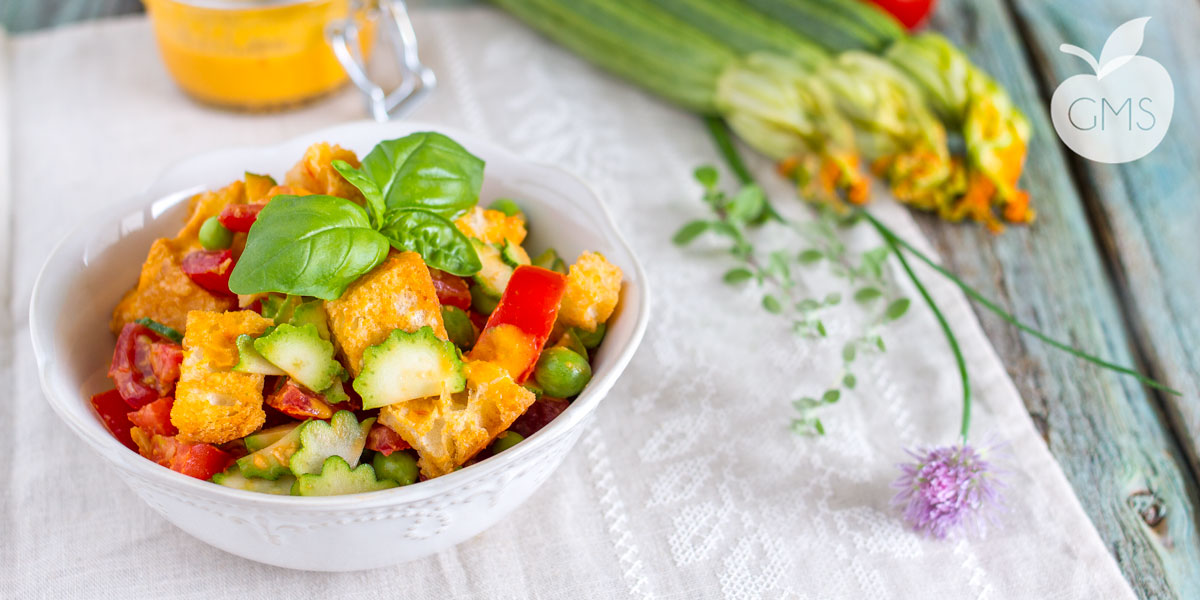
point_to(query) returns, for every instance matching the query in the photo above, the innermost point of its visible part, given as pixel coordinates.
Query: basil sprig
(318, 245)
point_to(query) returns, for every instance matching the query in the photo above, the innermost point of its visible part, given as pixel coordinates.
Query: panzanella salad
(362, 326)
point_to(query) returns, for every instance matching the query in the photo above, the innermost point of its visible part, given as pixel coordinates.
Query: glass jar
(268, 54)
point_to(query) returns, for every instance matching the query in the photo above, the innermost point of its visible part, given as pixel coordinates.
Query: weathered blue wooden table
(1112, 264)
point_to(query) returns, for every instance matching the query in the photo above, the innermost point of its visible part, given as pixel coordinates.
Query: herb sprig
(822, 234)
(773, 273)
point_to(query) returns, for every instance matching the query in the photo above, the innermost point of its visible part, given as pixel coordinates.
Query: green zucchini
(635, 40)
(836, 25)
(744, 29)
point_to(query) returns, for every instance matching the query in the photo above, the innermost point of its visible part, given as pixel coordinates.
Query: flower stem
(719, 131)
(720, 135)
(894, 243)
(988, 304)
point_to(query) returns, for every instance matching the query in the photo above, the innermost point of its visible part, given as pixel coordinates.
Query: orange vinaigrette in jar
(256, 54)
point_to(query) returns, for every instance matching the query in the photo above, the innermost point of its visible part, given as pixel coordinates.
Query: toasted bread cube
(212, 403)
(315, 172)
(211, 337)
(164, 292)
(593, 289)
(492, 226)
(447, 431)
(398, 294)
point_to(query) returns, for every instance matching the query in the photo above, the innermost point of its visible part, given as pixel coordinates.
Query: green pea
(507, 440)
(214, 235)
(570, 340)
(506, 206)
(400, 467)
(533, 387)
(591, 339)
(483, 303)
(458, 326)
(562, 373)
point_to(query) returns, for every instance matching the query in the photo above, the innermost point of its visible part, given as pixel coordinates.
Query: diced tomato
(539, 415)
(201, 461)
(452, 290)
(529, 303)
(210, 269)
(299, 403)
(155, 417)
(239, 217)
(114, 413)
(165, 359)
(383, 439)
(144, 366)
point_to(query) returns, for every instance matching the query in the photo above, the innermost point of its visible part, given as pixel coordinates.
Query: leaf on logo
(1122, 45)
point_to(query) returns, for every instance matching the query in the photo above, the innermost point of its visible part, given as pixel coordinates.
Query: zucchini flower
(994, 130)
(789, 114)
(895, 129)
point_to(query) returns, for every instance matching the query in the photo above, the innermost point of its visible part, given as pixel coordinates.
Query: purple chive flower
(948, 488)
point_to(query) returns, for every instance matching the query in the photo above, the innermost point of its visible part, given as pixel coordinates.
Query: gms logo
(1120, 113)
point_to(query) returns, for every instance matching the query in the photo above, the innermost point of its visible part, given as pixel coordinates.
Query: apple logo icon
(1122, 111)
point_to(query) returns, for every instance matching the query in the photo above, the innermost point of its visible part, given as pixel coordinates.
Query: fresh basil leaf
(309, 246)
(435, 238)
(423, 170)
(375, 205)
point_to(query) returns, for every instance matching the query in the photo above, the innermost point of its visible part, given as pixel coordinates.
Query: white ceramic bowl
(91, 268)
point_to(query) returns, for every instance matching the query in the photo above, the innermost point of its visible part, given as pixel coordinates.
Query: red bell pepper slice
(114, 413)
(155, 417)
(210, 269)
(530, 304)
(240, 217)
(384, 440)
(452, 290)
(144, 366)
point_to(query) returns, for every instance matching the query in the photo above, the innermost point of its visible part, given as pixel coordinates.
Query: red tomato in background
(909, 12)
(452, 290)
(144, 366)
(155, 417)
(239, 217)
(384, 440)
(114, 413)
(210, 269)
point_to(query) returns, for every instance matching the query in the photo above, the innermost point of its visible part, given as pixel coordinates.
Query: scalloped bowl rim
(111, 449)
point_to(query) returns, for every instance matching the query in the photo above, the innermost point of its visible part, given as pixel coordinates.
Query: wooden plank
(1104, 430)
(40, 14)
(1147, 212)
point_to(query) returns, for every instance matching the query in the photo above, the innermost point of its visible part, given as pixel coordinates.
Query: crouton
(164, 292)
(398, 294)
(492, 226)
(593, 289)
(212, 403)
(316, 174)
(447, 431)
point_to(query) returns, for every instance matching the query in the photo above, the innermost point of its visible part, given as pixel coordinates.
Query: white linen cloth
(687, 484)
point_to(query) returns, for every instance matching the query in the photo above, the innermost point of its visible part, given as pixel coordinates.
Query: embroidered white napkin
(688, 483)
